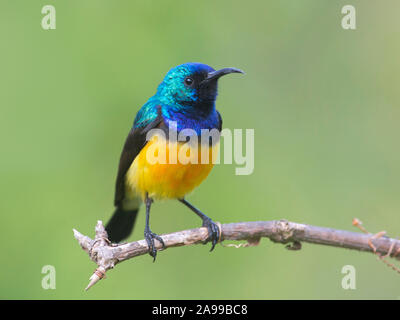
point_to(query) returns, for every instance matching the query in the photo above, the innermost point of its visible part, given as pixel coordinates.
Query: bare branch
(106, 255)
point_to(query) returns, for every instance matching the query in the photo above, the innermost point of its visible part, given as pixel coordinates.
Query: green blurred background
(324, 103)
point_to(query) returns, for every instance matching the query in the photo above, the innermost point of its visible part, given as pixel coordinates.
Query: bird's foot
(213, 232)
(150, 236)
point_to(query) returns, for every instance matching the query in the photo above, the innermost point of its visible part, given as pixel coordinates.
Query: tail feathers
(121, 224)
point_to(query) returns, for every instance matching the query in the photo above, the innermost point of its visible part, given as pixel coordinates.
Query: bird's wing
(134, 143)
(220, 121)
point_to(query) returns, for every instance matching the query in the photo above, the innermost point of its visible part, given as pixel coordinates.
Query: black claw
(213, 232)
(150, 236)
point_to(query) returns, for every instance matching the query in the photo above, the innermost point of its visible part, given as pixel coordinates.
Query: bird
(185, 98)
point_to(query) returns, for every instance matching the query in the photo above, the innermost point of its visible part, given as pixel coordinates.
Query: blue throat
(186, 117)
(192, 120)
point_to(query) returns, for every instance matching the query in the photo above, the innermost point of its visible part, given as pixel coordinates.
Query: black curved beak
(219, 73)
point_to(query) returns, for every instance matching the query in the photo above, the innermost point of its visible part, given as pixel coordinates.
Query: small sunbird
(186, 98)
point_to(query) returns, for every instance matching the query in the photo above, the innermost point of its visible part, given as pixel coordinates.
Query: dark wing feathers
(220, 121)
(135, 142)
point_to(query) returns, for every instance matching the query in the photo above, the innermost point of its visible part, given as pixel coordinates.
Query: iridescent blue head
(186, 96)
(192, 87)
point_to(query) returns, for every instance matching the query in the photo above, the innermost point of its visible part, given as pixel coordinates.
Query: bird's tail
(121, 224)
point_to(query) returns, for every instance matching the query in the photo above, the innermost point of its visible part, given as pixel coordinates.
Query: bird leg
(148, 234)
(213, 229)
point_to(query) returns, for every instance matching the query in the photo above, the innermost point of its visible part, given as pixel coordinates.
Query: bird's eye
(189, 81)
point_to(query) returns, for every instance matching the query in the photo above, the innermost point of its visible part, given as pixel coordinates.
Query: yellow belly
(171, 178)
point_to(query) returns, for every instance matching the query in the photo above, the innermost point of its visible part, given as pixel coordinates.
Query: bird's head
(192, 85)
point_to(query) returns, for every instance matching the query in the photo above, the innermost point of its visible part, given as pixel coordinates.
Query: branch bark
(106, 255)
